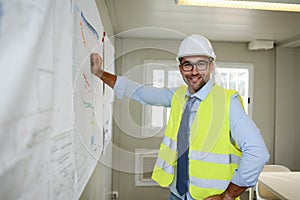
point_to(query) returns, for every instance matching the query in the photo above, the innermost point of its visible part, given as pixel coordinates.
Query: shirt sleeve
(248, 137)
(144, 94)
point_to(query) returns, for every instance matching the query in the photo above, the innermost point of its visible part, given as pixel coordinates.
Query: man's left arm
(254, 152)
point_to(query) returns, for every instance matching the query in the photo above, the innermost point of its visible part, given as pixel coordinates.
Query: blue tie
(183, 149)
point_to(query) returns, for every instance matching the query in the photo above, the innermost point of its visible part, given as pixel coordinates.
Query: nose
(195, 70)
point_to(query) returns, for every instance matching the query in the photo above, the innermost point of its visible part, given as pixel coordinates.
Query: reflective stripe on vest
(170, 143)
(209, 183)
(165, 166)
(214, 158)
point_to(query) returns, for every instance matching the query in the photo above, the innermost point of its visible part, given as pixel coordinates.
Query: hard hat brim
(192, 54)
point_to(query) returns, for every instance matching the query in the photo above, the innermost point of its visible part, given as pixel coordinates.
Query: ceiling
(163, 19)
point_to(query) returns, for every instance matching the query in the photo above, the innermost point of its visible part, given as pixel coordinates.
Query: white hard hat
(195, 45)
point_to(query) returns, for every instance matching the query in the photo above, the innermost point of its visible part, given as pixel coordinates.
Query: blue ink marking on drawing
(90, 27)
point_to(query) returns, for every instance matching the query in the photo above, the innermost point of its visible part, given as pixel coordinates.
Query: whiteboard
(53, 129)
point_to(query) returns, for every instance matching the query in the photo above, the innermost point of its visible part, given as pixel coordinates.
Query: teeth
(194, 79)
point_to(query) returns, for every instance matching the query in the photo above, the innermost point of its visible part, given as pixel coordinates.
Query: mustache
(196, 75)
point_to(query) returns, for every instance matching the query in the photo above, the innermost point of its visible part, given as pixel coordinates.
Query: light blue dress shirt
(242, 129)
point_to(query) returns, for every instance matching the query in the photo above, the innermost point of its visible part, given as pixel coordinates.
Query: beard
(196, 82)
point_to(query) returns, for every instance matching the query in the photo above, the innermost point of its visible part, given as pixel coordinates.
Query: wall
(100, 183)
(296, 161)
(287, 108)
(130, 55)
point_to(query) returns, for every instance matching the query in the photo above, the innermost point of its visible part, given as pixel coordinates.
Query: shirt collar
(203, 92)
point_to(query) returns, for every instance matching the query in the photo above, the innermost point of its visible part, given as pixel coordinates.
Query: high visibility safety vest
(212, 156)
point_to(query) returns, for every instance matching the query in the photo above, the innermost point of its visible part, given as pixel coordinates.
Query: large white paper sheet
(26, 75)
(52, 107)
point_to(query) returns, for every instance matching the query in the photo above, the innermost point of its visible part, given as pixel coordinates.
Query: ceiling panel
(164, 19)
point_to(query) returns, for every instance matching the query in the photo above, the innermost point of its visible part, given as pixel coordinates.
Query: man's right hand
(96, 69)
(96, 64)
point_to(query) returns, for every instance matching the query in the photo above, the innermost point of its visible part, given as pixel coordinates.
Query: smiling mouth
(194, 79)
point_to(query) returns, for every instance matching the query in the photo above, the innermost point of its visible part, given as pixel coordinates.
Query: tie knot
(191, 101)
(192, 98)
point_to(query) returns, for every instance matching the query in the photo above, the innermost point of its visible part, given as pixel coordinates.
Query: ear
(211, 67)
(180, 69)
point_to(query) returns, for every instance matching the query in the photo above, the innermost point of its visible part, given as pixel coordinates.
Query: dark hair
(180, 59)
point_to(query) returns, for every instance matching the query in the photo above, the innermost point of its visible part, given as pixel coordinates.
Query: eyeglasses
(201, 65)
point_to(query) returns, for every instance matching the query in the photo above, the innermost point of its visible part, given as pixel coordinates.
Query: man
(211, 149)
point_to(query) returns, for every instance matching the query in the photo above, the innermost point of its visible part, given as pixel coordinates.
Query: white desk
(285, 185)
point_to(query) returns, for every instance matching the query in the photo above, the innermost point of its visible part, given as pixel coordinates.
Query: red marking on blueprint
(87, 83)
(82, 34)
(88, 89)
(86, 80)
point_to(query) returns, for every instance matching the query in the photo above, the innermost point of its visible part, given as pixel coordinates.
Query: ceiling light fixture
(243, 4)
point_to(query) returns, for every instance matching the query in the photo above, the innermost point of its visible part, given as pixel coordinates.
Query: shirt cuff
(120, 86)
(238, 180)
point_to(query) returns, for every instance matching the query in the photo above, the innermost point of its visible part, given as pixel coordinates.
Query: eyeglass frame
(207, 63)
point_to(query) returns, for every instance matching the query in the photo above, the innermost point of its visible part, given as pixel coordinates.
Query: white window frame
(149, 67)
(250, 68)
(141, 154)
